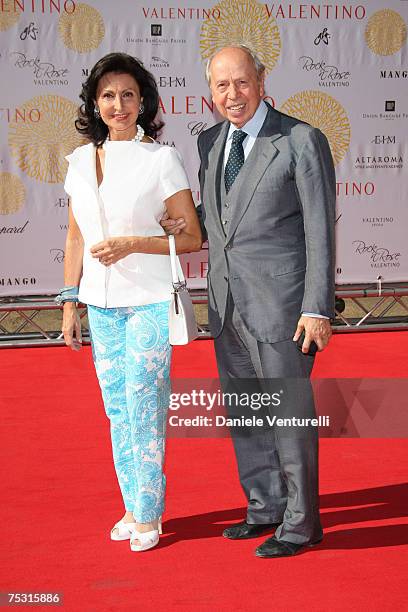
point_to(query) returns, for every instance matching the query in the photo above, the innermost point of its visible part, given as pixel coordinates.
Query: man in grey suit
(268, 206)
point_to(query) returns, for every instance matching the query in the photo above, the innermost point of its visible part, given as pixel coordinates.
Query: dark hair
(120, 63)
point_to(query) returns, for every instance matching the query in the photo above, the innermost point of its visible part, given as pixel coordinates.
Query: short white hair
(258, 65)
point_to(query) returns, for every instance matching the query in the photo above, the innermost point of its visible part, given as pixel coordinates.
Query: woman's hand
(113, 249)
(71, 326)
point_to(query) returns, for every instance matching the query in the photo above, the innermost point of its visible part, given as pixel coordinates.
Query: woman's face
(118, 99)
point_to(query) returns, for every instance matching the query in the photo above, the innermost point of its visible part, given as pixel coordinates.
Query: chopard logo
(14, 229)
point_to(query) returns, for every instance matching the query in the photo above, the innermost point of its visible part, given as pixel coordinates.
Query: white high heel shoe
(146, 540)
(124, 531)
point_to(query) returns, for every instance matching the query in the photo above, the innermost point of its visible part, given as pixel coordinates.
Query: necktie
(236, 159)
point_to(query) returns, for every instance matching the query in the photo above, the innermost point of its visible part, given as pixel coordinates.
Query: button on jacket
(138, 177)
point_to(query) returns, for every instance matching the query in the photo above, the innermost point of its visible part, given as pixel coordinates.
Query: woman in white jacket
(116, 261)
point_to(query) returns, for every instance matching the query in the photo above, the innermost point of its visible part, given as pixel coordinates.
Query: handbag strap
(176, 269)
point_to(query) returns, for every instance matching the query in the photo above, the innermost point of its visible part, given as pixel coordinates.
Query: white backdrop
(340, 66)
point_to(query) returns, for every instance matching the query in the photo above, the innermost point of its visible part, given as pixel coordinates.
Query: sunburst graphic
(83, 30)
(324, 112)
(386, 32)
(10, 18)
(39, 148)
(243, 22)
(12, 193)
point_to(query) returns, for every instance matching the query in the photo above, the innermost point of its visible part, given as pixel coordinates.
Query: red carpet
(60, 499)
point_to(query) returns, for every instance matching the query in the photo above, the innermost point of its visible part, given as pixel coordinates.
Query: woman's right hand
(71, 326)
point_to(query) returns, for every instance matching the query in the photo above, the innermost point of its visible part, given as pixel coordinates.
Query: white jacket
(138, 177)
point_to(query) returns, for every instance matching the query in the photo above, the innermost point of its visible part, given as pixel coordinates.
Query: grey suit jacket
(277, 253)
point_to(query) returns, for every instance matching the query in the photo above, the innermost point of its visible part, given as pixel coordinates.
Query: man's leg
(256, 453)
(297, 445)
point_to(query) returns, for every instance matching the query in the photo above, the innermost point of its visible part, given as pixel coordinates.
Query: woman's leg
(108, 333)
(148, 355)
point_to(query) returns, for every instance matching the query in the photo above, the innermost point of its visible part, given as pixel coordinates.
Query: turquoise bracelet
(67, 294)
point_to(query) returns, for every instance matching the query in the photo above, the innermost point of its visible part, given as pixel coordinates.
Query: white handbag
(182, 323)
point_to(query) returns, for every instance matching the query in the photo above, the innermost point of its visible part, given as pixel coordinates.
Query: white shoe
(160, 527)
(146, 540)
(124, 531)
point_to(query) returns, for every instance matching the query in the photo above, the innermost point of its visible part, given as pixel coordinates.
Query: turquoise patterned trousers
(132, 359)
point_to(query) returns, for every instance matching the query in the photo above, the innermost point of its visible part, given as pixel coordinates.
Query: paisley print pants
(132, 360)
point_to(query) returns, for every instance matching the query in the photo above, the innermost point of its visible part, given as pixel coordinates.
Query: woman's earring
(97, 114)
(141, 109)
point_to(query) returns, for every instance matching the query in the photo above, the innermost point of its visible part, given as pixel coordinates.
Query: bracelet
(61, 299)
(69, 289)
(69, 293)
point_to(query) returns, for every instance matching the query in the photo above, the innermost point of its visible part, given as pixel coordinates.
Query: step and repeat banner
(342, 67)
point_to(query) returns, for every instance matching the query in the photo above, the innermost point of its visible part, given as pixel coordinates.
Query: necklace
(139, 135)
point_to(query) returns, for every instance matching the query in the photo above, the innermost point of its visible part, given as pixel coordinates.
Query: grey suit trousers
(278, 466)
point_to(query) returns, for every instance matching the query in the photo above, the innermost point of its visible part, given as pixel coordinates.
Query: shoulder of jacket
(298, 131)
(295, 125)
(211, 132)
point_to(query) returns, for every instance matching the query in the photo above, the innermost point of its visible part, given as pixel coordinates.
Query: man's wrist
(314, 315)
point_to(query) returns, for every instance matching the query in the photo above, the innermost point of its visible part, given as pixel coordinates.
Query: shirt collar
(253, 126)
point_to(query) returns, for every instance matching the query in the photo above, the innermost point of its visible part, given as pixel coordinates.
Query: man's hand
(172, 226)
(316, 329)
(112, 250)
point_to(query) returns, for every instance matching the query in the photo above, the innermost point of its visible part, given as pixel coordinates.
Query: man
(268, 205)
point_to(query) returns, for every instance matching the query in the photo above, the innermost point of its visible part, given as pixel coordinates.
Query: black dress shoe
(244, 530)
(280, 548)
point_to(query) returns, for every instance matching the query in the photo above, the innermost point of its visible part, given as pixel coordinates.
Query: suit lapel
(213, 176)
(265, 149)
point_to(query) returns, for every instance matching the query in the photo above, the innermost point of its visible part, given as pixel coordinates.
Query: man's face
(235, 87)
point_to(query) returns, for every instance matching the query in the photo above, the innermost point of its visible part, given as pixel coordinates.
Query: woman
(116, 254)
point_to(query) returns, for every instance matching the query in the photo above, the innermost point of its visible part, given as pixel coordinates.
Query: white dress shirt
(130, 201)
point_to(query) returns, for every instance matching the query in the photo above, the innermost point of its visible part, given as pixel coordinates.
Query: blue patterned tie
(236, 159)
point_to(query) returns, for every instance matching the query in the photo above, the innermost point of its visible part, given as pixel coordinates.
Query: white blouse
(138, 177)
